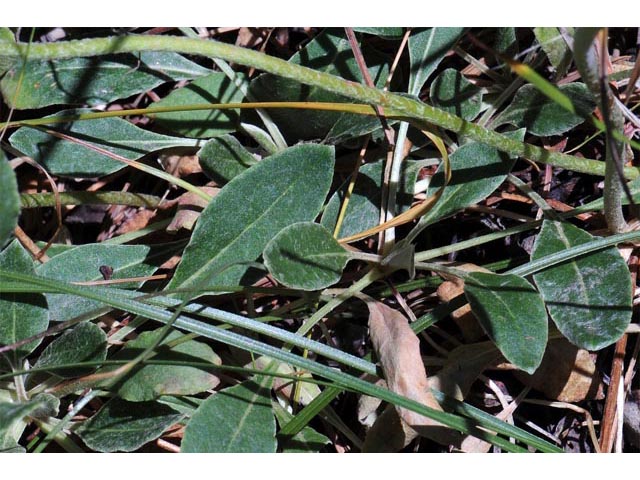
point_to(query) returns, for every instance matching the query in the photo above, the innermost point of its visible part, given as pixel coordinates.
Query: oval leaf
(121, 426)
(9, 200)
(589, 298)
(328, 52)
(149, 382)
(83, 264)
(453, 93)
(224, 158)
(214, 88)
(512, 313)
(238, 419)
(476, 171)
(384, 32)
(542, 116)
(12, 423)
(363, 210)
(22, 315)
(85, 343)
(305, 256)
(556, 48)
(64, 157)
(93, 81)
(427, 48)
(250, 210)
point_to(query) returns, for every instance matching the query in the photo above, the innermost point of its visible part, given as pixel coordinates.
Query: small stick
(608, 430)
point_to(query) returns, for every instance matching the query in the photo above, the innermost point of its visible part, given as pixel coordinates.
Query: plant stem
(587, 63)
(39, 200)
(414, 111)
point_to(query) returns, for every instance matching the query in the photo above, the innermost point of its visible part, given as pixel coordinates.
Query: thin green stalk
(57, 429)
(122, 299)
(243, 86)
(40, 200)
(415, 111)
(587, 62)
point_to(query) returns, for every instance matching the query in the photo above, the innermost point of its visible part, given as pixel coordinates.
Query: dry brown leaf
(190, 206)
(389, 433)
(464, 318)
(137, 221)
(180, 165)
(398, 349)
(566, 374)
(463, 366)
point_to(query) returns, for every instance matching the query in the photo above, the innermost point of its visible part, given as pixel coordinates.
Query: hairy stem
(411, 110)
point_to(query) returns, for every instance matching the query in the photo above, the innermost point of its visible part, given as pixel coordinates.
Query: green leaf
(48, 406)
(476, 171)
(556, 48)
(505, 41)
(250, 210)
(148, 382)
(84, 343)
(12, 422)
(542, 116)
(427, 47)
(237, 419)
(121, 426)
(9, 200)
(83, 263)
(363, 211)
(125, 300)
(329, 52)
(305, 256)
(453, 93)
(22, 315)
(214, 88)
(93, 81)
(589, 298)
(64, 157)
(224, 158)
(306, 440)
(512, 313)
(383, 32)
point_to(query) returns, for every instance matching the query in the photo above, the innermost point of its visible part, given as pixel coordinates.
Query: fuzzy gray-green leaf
(427, 47)
(224, 158)
(384, 32)
(250, 210)
(121, 426)
(589, 298)
(363, 210)
(556, 48)
(83, 264)
(305, 256)
(453, 93)
(476, 171)
(512, 313)
(237, 419)
(329, 52)
(9, 200)
(148, 382)
(84, 343)
(22, 315)
(306, 440)
(93, 81)
(64, 157)
(214, 88)
(12, 424)
(542, 116)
